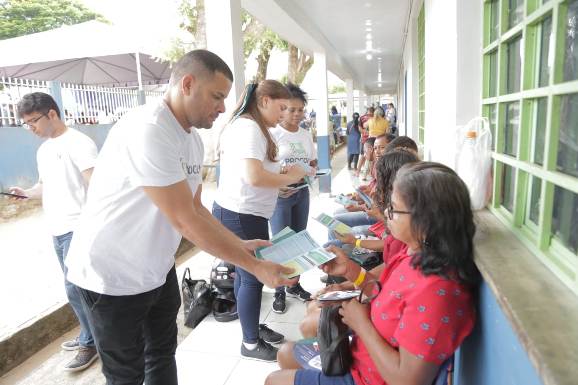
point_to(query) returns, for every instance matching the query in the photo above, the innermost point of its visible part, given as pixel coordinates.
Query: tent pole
(141, 95)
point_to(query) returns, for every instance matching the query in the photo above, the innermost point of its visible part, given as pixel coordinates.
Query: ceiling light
(368, 36)
(379, 84)
(367, 29)
(369, 56)
(368, 45)
(379, 77)
(368, 22)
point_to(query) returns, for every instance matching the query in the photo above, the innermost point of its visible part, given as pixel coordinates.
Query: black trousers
(136, 335)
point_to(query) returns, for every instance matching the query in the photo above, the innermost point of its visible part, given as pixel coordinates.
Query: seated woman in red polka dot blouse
(425, 308)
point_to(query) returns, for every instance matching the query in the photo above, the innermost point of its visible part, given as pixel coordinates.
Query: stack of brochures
(295, 250)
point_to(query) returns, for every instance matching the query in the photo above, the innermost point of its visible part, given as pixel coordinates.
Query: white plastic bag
(474, 159)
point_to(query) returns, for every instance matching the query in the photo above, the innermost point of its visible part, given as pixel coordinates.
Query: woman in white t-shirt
(249, 183)
(292, 209)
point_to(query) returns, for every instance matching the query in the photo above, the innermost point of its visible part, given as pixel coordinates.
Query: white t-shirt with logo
(240, 140)
(61, 161)
(124, 245)
(294, 147)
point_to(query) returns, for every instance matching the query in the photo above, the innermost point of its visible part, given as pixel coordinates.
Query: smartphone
(14, 195)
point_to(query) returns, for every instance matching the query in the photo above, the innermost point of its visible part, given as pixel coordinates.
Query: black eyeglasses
(33, 121)
(391, 211)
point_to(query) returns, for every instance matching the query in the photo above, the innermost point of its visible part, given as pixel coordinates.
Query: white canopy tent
(90, 53)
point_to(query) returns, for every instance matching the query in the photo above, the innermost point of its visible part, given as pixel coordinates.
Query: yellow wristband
(358, 243)
(360, 278)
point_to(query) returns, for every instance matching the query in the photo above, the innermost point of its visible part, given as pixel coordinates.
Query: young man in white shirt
(145, 194)
(65, 162)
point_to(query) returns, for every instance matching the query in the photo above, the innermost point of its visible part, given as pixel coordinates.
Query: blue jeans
(316, 377)
(293, 212)
(61, 245)
(248, 289)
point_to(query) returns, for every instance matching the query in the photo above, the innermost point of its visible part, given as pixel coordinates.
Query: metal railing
(82, 104)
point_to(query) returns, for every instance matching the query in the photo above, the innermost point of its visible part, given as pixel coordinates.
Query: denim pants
(136, 335)
(293, 212)
(248, 289)
(61, 245)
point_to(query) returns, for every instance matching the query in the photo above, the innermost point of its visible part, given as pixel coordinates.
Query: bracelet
(360, 278)
(358, 243)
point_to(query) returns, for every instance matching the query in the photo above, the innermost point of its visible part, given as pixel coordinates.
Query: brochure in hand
(295, 250)
(306, 353)
(333, 224)
(366, 199)
(340, 295)
(344, 200)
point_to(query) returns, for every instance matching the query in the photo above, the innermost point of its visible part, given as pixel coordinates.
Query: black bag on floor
(197, 299)
(223, 279)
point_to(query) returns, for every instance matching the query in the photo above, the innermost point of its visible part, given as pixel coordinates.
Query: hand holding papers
(344, 200)
(333, 224)
(340, 295)
(295, 250)
(366, 199)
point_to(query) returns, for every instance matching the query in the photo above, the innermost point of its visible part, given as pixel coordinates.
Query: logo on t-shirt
(190, 169)
(297, 154)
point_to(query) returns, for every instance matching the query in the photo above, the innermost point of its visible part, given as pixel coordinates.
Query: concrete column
(322, 115)
(350, 105)
(224, 38)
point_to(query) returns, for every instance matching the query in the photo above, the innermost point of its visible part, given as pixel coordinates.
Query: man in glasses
(65, 162)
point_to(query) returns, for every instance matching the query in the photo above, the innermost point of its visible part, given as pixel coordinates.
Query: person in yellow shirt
(377, 125)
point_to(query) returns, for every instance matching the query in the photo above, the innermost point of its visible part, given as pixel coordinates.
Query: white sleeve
(153, 157)
(250, 142)
(83, 153)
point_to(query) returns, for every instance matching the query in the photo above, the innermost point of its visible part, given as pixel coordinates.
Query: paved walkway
(209, 354)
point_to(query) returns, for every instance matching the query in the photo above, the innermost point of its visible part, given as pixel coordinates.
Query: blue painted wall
(493, 355)
(18, 148)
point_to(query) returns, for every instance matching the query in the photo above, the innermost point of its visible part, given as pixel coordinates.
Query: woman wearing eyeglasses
(425, 308)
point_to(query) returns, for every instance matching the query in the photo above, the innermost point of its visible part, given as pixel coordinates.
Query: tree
(258, 36)
(23, 17)
(299, 64)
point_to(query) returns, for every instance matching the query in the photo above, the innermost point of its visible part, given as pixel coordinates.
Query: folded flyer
(366, 199)
(340, 295)
(295, 250)
(344, 200)
(333, 224)
(306, 353)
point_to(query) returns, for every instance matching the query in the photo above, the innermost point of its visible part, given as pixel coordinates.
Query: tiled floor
(210, 354)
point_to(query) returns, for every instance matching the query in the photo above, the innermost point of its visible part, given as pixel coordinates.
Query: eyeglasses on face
(33, 121)
(390, 211)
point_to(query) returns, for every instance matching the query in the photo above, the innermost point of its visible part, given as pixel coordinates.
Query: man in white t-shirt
(65, 162)
(145, 193)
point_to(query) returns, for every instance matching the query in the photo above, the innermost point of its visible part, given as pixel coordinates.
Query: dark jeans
(248, 289)
(136, 335)
(293, 212)
(61, 245)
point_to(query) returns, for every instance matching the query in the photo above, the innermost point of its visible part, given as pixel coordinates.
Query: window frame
(539, 238)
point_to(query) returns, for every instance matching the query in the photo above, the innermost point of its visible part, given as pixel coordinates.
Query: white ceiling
(339, 27)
